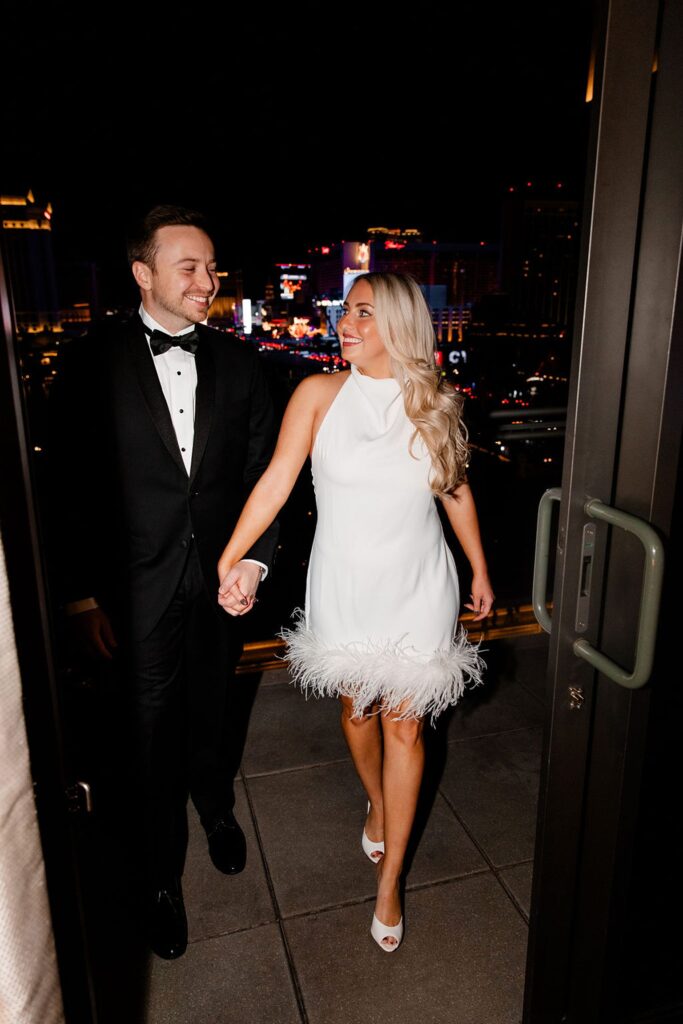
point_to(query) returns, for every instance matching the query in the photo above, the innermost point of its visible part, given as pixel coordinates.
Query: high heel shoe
(383, 932)
(375, 851)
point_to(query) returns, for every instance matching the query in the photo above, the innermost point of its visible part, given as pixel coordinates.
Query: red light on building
(559, 184)
(511, 188)
(529, 184)
(482, 243)
(438, 358)
(325, 250)
(394, 245)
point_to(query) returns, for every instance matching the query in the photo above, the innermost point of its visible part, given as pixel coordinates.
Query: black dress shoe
(227, 845)
(167, 923)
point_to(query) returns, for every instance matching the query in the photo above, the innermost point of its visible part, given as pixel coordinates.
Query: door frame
(28, 598)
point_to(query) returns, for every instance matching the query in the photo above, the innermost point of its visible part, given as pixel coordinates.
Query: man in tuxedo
(162, 428)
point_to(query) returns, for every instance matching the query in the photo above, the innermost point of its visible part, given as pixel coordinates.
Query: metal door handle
(545, 511)
(649, 602)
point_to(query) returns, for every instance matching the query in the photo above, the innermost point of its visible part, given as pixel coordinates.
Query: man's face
(178, 290)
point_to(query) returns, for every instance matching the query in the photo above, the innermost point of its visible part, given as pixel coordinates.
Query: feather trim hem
(391, 675)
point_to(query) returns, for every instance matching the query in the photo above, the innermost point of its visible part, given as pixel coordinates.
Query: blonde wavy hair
(405, 326)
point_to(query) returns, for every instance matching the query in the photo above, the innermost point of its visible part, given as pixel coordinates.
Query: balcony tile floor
(288, 939)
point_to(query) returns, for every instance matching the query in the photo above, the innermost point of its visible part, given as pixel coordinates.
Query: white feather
(390, 675)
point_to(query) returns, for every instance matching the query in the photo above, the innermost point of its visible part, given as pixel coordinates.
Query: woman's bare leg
(364, 739)
(401, 778)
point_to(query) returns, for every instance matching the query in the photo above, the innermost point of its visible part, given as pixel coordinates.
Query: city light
(591, 78)
(300, 328)
(246, 316)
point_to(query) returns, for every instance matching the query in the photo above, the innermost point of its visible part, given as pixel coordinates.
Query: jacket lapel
(143, 361)
(206, 387)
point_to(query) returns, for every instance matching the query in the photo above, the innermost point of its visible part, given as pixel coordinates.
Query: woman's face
(358, 334)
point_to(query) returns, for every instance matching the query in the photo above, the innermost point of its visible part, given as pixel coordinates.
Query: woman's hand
(481, 598)
(237, 590)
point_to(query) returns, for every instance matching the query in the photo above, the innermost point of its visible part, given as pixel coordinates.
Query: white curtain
(29, 983)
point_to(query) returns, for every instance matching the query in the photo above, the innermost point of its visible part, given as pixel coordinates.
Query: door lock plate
(576, 697)
(583, 600)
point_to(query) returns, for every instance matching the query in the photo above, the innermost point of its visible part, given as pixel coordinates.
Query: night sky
(301, 124)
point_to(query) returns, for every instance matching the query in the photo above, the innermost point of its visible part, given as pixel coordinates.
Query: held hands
(481, 598)
(237, 591)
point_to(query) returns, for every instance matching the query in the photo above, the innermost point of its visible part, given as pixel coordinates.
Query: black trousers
(181, 690)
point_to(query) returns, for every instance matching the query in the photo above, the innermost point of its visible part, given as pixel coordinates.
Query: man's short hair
(142, 243)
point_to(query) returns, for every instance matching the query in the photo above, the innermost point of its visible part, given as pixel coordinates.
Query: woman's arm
(268, 497)
(462, 515)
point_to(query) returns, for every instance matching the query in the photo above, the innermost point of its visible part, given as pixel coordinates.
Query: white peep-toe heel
(375, 851)
(383, 933)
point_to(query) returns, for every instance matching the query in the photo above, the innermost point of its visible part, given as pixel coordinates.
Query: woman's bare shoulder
(321, 388)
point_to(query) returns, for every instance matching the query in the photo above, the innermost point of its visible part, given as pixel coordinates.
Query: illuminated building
(26, 238)
(450, 322)
(397, 236)
(294, 281)
(229, 298)
(294, 284)
(356, 261)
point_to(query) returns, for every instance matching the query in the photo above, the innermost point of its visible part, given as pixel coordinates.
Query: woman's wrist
(225, 564)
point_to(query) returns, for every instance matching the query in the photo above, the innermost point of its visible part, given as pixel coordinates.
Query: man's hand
(237, 591)
(92, 634)
(481, 598)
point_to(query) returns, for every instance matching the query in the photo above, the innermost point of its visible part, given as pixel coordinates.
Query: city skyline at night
(446, 108)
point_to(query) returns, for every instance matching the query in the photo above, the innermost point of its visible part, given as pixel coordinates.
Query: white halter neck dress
(382, 596)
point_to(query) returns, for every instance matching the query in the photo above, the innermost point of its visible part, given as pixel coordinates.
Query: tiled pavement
(288, 940)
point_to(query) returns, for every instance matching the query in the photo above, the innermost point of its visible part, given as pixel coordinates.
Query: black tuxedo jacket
(126, 509)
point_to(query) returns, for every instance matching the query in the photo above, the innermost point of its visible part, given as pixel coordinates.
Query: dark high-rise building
(464, 270)
(26, 232)
(327, 269)
(461, 271)
(539, 256)
(518, 339)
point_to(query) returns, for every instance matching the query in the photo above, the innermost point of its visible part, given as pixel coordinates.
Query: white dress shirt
(177, 373)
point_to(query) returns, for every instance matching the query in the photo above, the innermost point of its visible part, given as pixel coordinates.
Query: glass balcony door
(594, 933)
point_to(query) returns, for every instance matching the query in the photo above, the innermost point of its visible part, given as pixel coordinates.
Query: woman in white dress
(382, 601)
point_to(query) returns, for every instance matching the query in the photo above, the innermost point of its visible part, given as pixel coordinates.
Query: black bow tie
(161, 342)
